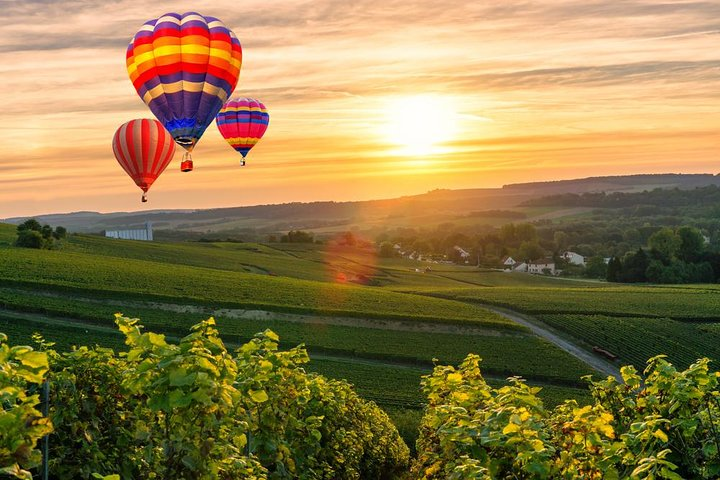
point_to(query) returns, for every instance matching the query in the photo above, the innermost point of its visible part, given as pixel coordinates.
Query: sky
(368, 99)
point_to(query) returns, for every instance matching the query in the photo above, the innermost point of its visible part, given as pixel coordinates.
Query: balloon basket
(187, 164)
(144, 197)
(242, 162)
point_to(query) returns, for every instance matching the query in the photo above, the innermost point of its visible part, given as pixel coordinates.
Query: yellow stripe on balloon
(245, 109)
(243, 140)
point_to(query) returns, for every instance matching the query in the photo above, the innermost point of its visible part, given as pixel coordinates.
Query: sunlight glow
(419, 124)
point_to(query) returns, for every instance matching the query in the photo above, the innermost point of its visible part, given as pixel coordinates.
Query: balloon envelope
(143, 148)
(184, 67)
(243, 122)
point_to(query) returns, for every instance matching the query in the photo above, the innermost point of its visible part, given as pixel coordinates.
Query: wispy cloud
(542, 89)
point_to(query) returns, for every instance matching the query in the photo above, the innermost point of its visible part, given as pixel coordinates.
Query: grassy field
(130, 278)
(696, 303)
(632, 322)
(70, 295)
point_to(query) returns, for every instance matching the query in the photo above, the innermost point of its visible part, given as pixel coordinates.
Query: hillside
(428, 209)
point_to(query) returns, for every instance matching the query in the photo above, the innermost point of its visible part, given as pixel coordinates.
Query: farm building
(509, 263)
(464, 254)
(544, 265)
(138, 234)
(574, 258)
(519, 267)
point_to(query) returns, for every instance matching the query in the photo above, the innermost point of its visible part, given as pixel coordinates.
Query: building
(138, 234)
(509, 263)
(574, 258)
(543, 266)
(464, 254)
(519, 267)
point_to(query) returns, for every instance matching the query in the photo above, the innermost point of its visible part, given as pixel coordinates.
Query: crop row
(678, 303)
(635, 340)
(503, 354)
(126, 278)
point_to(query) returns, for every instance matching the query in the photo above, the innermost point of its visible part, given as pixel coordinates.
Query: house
(464, 254)
(519, 267)
(145, 234)
(509, 263)
(542, 266)
(573, 258)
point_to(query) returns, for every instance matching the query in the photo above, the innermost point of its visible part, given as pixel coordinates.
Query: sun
(420, 124)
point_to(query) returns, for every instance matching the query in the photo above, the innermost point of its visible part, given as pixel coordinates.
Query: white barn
(574, 258)
(138, 234)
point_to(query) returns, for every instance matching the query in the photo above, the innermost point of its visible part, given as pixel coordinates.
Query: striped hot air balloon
(184, 67)
(143, 149)
(242, 122)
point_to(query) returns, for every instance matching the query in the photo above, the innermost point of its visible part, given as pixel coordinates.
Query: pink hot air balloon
(242, 122)
(143, 149)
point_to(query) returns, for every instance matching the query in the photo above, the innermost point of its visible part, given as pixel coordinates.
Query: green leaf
(259, 396)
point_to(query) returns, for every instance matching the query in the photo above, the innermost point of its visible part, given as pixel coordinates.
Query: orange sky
(535, 91)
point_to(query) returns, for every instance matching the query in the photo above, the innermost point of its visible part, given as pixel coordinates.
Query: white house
(138, 234)
(574, 258)
(509, 263)
(519, 267)
(464, 254)
(542, 266)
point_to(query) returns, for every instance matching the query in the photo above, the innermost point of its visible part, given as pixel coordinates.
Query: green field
(696, 303)
(381, 338)
(632, 322)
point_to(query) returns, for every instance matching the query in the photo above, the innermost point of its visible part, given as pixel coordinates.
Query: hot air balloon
(184, 67)
(242, 122)
(143, 149)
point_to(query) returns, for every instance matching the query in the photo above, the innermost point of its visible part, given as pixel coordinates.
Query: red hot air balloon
(242, 122)
(143, 149)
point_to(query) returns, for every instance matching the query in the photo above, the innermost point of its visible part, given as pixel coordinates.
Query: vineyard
(93, 274)
(188, 408)
(693, 303)
(382, 339)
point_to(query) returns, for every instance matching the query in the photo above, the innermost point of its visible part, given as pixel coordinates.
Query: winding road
(603, 366)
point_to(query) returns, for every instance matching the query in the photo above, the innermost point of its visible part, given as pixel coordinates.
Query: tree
(30, 239)
(530, 251)
(30, 224)
(387, 250)
(59, 233)
(596, 268)
(692, 244)
(561, 240)
(32, 235)
(666, 243)
(634, 267)
(614, 270)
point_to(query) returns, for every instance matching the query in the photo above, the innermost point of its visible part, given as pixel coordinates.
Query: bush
(190, 410)
(32, 235)
(663, 424)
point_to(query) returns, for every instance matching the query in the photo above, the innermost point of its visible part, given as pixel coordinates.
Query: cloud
(601, 82)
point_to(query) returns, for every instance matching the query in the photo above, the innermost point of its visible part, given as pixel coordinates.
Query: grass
(701, 303)
(635, 340)
(131, 278)
(503, 353)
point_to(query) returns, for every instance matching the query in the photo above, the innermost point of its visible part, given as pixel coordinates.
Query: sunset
(360, 240)
(364, 96)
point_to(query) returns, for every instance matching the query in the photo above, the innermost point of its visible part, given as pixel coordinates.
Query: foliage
(192, 410)
(22, 370)
(302, 424)
(297, 236)
(386, 250)
(32, 235)
(660, 425)
(131, 279)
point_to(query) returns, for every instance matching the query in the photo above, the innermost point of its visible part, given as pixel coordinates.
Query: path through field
(597, 363)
